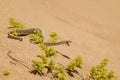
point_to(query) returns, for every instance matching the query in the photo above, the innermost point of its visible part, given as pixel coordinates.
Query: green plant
(15, 23)
(14, 32)
(43, 57)
(53, 34)
(61, 77)
(99, 72)
(37, 32)
(38, 65)
(51, 64)
(59, 73)
(77, 62)
(71, 65)
(36, 39)
(36, 36)
(42, 46)
(6, 73)
(50, 52)
(53, 37)
(55, 73)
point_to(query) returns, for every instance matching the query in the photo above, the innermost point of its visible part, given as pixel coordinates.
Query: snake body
(25, 32)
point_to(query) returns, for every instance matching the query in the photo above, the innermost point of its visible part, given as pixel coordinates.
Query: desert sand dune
(92, 25)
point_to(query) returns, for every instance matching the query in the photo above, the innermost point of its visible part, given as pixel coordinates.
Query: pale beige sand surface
(93, 26)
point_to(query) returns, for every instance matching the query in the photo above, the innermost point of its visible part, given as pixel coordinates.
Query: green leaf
(36, 36)
(78, 61)
(42, 46)
(53, 34)
(59, 73)
(51, 64)
(99, 72)
(6, 73)
(14, 32)
(43, 57)
(37, 32)
(39, 65)
(50, 52)
(71, 65)
(15, 23)
(53, 37)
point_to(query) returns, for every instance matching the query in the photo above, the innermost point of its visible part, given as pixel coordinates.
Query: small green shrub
(38, 65)
(61, 77)
(36, 39)
(71, 65)
(6, 73)
(99, 72)
(59, 73)
(36, 36)
(53, 37)
(50, 52)
(42, 46)
(43, 57)
(14, 32)
(77, 62)
(51, 64)
(53, 34)
(15, 23)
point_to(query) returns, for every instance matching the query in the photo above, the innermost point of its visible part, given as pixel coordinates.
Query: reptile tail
(58, 43)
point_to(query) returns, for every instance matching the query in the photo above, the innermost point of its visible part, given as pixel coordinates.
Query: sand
(92, 25)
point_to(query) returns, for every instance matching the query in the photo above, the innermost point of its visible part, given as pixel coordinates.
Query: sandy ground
(92, 25)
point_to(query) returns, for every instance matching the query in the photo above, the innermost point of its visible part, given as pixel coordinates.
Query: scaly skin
(25, 32)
